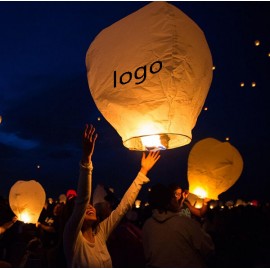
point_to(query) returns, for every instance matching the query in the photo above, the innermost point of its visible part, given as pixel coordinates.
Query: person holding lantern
(171, 240)
(185, 207)
(84, 237)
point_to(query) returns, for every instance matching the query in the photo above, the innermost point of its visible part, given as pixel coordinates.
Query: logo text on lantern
(139, 74)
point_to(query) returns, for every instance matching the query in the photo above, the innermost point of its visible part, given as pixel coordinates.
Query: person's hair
(174, 186)
(160, 197)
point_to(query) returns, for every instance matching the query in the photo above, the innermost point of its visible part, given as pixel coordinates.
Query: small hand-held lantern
(26, 200)
(149, 75)
(213, 167)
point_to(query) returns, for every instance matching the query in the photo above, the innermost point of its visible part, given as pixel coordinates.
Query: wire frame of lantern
(150, 83)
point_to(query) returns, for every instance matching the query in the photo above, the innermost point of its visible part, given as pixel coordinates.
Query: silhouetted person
(171, 240)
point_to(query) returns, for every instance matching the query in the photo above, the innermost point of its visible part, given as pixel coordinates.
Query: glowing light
(257, 42)
(199, 204)
(98, 118)
(200, 192)
(205, 108)
(24, 217)
(26, 200)
(213, 68)
(0, 119)
(155, 142)
(137, 203)
(242, 84)
(211, 206)
(38, 166)
(50, 200)
(268, 54)
(126, 89)
(227, 138)
(253, 84)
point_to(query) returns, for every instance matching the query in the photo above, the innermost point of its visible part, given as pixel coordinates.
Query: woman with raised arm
(84, 237)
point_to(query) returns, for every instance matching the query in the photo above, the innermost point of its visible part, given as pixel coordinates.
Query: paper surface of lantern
(149, 75)
(213, 167)
(26, 200)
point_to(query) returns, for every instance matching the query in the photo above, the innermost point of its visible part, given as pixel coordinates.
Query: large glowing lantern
(149, 75)
(26, 200)
(213, 167)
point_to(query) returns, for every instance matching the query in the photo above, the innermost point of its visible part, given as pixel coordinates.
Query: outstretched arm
(147, 162)
(88, 144)
(7, 225)
(199, 212)
(74, 224)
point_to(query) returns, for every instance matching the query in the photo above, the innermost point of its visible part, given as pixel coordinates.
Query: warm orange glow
(205, 108)
(257, 42)
(268, 54)
(213, 68)
(253, 84)
(137, 203)
(126, 88)
(26, 200)
(155, 142)
(98, 118)
(200, 192)
(199, 204)
(24, 217)
(213, 167)
(227, 139)
(242, 84)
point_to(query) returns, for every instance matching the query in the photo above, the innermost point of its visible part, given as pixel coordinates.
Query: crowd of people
(169, 232)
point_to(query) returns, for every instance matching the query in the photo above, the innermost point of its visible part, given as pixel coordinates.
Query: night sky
(45, 100)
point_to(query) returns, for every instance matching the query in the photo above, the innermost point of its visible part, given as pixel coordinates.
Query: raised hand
(88, 143)
(149, 161)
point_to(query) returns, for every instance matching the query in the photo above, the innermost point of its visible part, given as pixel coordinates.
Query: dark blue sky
(45, 100)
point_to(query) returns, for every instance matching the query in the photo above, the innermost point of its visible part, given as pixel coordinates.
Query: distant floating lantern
(138, 203)
(213, 68)
(98, 118)
(227, 138)
(253, 84)
(257, 43)
(213, 167)
(242, 84)
(150, 83)
(26, 200)
(268, 54)
(205, 108)
(0, 119)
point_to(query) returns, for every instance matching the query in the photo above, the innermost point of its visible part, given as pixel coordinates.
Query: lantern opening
(155, 142)
(24, 217)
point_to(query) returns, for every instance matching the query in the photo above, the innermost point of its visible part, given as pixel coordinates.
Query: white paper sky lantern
(26, 200)
(149, 75)
(213, 167)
